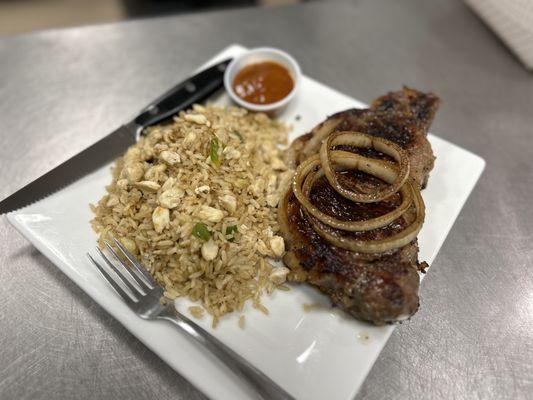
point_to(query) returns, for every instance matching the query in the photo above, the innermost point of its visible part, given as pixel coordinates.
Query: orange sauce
(263, 83)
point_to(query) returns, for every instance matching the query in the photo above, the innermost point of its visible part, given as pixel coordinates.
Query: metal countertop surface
(61, 90)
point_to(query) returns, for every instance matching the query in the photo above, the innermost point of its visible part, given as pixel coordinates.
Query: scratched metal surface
(62, 90)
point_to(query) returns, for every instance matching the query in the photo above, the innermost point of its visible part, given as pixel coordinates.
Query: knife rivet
(153, 109)
(222, 67)
(190, 87)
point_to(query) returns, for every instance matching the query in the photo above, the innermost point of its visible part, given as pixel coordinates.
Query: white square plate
(313, 355)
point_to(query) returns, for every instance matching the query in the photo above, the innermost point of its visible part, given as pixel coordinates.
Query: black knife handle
(193, 90)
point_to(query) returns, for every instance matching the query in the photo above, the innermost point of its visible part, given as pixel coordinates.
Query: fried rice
(195, 201)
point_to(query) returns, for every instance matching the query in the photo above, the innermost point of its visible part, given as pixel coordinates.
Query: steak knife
(193, 90)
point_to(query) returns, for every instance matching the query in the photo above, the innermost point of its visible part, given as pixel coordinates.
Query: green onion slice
(200, 230)
(230, 230)
(213, 152)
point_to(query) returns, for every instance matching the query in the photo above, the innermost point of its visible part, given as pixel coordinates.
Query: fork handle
(265, 387)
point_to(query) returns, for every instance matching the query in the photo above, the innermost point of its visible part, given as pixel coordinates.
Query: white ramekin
(257, 55)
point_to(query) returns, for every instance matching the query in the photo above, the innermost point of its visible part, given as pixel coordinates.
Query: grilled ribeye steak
(380, 287)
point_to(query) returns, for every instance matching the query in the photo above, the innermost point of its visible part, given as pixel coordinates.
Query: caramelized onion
(381, 245)
(328, 161)
(319, 133)
(358, 139)
(305, 177)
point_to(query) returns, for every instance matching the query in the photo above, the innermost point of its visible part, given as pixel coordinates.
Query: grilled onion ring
(381, 245)
(358, 139)
(319, 133)
(305, 177)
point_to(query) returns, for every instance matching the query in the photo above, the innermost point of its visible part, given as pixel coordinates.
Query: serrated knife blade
(193, 90)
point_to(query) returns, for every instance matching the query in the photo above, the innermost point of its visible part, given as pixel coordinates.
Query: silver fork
(145, 298)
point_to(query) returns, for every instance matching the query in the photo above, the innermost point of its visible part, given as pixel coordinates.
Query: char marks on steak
(380, 287)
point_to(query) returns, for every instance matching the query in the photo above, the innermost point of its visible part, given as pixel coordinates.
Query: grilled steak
(380, 287)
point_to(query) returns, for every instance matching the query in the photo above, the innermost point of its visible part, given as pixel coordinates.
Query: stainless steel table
(62, 90)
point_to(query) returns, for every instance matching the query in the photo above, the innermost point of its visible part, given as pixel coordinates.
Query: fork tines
(129, 272)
